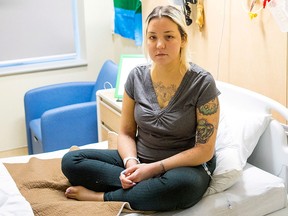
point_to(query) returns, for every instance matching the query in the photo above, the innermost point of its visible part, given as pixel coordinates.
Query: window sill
(6, 71)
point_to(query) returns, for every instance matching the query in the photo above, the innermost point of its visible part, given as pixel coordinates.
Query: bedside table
(108, 113)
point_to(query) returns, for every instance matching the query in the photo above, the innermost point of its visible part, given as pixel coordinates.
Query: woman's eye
(169, 37)
(152, 38)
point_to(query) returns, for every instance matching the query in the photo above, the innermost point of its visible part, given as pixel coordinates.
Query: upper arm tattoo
(204, 128)
(209, 108)
(204, 131)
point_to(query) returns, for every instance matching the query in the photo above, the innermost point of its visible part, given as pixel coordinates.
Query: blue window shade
(41, 33)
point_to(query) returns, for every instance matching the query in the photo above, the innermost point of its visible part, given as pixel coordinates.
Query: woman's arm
(126, 138)
(206, 132)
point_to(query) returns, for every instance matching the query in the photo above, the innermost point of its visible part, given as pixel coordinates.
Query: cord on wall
(221, 40)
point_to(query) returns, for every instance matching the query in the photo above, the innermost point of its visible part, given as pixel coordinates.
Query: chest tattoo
(164, 93)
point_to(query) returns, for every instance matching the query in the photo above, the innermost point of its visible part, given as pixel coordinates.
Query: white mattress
(256, 193)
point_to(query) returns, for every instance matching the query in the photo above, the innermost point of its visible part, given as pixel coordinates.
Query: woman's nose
(160, 44)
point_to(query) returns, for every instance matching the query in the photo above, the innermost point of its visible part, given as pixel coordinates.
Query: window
(39, 35)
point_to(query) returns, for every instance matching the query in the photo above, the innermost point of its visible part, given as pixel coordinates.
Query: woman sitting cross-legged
(169, 122)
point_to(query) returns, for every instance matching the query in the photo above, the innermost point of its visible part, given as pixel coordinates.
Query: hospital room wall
(248, 53)
(101, 44)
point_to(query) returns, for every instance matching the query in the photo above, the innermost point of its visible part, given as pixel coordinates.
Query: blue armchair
(61, 115)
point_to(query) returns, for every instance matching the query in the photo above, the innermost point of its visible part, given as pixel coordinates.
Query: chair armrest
(37, 101)
(69, 125)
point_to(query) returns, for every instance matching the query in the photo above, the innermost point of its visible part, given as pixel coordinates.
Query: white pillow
(246, 129)
(228, 167)
(238, 134)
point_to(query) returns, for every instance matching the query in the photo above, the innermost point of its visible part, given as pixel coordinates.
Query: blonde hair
(178, 18)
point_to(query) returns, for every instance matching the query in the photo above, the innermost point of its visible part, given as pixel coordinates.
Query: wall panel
(248, 53)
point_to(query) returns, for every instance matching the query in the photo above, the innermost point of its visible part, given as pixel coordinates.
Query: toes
(74, 148)
(69, 192)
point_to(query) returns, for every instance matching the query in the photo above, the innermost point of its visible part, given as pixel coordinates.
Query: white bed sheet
(256, 193)
(11, 200)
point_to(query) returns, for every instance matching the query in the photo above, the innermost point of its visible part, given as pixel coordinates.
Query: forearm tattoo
(204, 131)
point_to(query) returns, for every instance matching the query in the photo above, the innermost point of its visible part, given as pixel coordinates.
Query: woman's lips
(160, 54)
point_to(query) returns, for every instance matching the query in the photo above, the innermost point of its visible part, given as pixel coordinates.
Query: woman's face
(163, 41)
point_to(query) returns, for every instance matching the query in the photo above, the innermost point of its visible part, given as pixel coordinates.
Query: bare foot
(83, 194)
(74, 148)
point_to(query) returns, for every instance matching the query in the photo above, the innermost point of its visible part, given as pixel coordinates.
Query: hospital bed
(250, 178)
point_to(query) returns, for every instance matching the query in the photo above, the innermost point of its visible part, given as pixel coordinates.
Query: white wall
(101, 45)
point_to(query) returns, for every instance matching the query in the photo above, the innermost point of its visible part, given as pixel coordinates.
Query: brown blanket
(42, 183)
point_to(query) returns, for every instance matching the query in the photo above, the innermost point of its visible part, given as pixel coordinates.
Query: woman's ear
(184, 40)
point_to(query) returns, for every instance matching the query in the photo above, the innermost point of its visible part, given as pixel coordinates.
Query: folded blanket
(43, 185)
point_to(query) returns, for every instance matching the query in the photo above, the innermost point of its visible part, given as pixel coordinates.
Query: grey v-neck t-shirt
(170, 130)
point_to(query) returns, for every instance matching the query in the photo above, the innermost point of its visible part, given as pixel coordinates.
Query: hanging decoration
(279, 11)
(128, 19)
(252, 11)
(187, 12)
(200, 14)
(265, 2)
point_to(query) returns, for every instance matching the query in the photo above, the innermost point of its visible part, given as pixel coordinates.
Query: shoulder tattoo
(209, 108)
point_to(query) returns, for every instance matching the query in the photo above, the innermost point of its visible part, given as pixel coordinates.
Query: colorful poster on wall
(128, 19)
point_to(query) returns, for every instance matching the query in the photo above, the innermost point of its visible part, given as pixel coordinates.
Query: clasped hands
(136, 173)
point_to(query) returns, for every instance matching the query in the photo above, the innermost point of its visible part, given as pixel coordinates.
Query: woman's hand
(137, 173)
(125, 181)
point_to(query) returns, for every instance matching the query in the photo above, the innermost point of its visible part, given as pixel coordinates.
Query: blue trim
(33, 61)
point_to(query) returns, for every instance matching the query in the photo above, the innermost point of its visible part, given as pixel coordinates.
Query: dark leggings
(99, 170)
